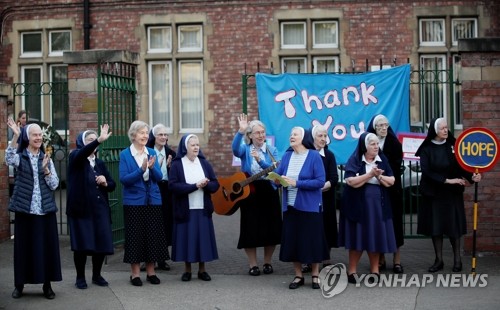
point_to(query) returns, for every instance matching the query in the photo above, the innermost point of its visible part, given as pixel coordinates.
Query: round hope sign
(476, 150)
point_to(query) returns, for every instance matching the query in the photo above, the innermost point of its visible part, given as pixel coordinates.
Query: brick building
(204, 47)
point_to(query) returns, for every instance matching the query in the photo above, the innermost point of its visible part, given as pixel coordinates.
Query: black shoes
(382, 266)
(186, 276)
(315, 285)
(48, 292)
(163, 266)
(254, 271)
(99, 280)
(81, 283)
(204, 276)
(397, 268)
(153, 279)
(17, 293)
(136, 281)
(438, 265)
(296, 284)
(457, 267)
(267, 269)
(351, 278)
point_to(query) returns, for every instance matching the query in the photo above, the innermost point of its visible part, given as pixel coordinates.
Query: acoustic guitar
(233, 189)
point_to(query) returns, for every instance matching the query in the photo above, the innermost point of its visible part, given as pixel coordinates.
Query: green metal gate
(116, 107)
(430, 90)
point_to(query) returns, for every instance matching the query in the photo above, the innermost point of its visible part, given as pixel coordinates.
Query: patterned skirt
(145, 239)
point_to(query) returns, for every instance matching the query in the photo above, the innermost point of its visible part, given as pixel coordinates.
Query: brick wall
(239, 33)
(481, 103)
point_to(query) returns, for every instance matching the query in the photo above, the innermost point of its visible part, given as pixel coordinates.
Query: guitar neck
(258, 175)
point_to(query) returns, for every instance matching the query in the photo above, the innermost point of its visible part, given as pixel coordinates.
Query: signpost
(476, 150)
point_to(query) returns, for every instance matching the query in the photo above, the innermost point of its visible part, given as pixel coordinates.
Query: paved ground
(232, 288)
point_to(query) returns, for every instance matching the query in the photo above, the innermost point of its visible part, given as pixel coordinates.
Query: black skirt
(330, 218)
(36, 249)
(261, 222)
(304, 238)
(396, 196)
(442, 215)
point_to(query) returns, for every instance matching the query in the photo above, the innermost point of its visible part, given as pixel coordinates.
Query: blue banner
(343, 103)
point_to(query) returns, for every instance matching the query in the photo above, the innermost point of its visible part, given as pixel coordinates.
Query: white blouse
(193, 172)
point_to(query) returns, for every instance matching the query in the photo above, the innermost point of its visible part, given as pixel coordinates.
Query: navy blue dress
(89, 214)
(193, 238)
(365, 215)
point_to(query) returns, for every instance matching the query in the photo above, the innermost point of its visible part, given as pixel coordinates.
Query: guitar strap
(271, 155)
(280, 189)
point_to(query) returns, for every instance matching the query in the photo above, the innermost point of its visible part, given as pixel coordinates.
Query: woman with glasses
(393, 150)
(158, 138)
(36, 243)
(260, 224)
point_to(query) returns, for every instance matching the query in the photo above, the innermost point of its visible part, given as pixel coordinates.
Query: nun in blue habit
(365, 215)
(87, 207)
(192, 180)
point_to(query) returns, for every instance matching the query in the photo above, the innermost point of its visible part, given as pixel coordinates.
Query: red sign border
(460, 139)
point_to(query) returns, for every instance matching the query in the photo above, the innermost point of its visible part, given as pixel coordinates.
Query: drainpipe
(86, 24)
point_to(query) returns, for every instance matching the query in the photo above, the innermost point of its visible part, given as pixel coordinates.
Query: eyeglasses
(382, 125)
(259, 133)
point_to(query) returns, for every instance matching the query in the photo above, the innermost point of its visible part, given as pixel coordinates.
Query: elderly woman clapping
(36, 245)
(366, 217)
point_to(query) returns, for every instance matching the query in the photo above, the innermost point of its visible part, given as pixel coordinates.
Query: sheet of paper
(274, 176)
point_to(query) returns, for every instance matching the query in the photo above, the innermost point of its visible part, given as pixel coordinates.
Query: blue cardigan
(137, 192)
(181, 190)
(242, 151)
(309, 185)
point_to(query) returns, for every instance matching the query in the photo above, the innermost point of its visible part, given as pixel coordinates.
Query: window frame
(325, 45)
(51, 79)
(25, 96)
(167, 49)
(170, 100)
(58, 53)
(432, 43)
(319, 58)
(183, 129)
(181, 49)
(282, 35)
(454, 40)
(284, 59)
(31, 54)
(427, 110)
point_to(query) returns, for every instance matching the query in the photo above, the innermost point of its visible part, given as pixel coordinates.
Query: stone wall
(480, 77)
